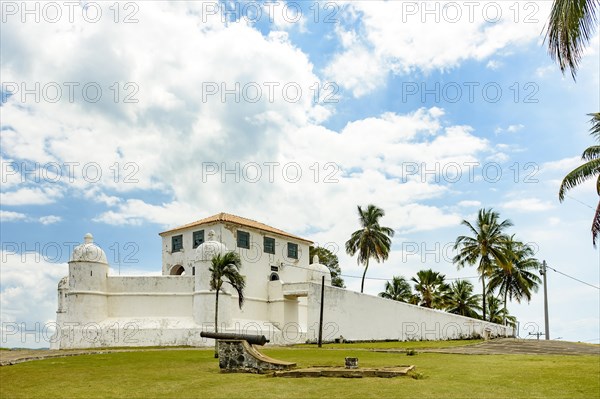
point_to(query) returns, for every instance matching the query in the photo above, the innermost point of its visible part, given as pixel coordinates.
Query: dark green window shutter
(176, 243)
(292, 250)
(243, 239)
(269, 245)
(198, 238)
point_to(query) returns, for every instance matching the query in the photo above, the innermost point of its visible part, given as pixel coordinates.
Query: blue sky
(430, 120)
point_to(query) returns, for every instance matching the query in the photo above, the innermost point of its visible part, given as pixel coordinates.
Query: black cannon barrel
(251, 339)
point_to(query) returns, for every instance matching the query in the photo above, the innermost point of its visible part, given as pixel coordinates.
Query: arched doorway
(177, 270)
(274, 277)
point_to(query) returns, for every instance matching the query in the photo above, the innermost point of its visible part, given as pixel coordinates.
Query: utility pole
(543, 272)
(320, 341)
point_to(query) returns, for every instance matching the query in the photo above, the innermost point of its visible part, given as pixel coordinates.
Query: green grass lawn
(196, 374)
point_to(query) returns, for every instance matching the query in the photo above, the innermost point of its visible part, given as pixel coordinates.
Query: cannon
(251, 339)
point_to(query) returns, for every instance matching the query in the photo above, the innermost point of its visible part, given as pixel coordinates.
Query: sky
(124, 119)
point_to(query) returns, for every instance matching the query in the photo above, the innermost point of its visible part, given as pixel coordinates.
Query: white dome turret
(316, 271)
(208, 249)
(88, 251)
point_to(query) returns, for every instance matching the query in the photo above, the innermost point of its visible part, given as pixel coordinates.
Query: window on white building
(176, 243)
(269, 245)
(243, 239)
(292, 250)
(197, 238)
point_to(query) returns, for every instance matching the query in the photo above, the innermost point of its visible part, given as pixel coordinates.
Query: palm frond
(591, 153)
(595, 121)
(225, 269)
(596, 225)
(571, 25)
(398, 290)
(578, 176)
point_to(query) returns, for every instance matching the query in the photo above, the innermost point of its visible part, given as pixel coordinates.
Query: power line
(388, 279)
(380, 278)
(581, 202)
(454, 278)
(574, 278)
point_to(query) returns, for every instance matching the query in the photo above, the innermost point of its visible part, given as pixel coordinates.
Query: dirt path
(508, 346)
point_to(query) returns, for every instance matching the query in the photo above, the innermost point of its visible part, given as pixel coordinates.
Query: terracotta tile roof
(229, 218)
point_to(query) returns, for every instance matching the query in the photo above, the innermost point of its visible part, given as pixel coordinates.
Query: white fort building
(282, 296)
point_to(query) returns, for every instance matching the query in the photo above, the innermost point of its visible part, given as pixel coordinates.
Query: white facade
(282, 296)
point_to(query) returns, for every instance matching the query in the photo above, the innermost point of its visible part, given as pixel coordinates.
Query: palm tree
(397, 290)
(571, 25)
(497, 314)
(590, 169)
(462, 301)
(226, 269)
(372, 240)
(431, 288)
(516, 280)
(483, 247)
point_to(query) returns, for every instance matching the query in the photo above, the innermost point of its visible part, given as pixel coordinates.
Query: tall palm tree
(484, 247)
(226, 269)
(398, 290)
(372, 240)
(462, 301)
(590, 169)
(571, 25)
(432, 289)
(497, 314)
(517, 279)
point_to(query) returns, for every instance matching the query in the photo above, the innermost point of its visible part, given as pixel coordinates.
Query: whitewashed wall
(358, 316)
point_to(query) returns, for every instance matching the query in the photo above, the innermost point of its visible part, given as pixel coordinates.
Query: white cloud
(498, 157)
(528, 205)
(173, 112)
(135, 212)
(28, 295)
(417, 217)
(31, 196)
(50, 219)
(404, 36)
(11, 175)
(514, 128)
(8, 216)
(562, 166)
(98, 196)
(469, 203)
(510, 129)
(494, 64)
(285, 16)
(357, 69)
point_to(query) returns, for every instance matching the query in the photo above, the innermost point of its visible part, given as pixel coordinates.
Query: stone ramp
(507, 346)
(238, 356)
(251, 349)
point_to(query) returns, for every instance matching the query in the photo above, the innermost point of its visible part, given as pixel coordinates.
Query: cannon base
(238, 356)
